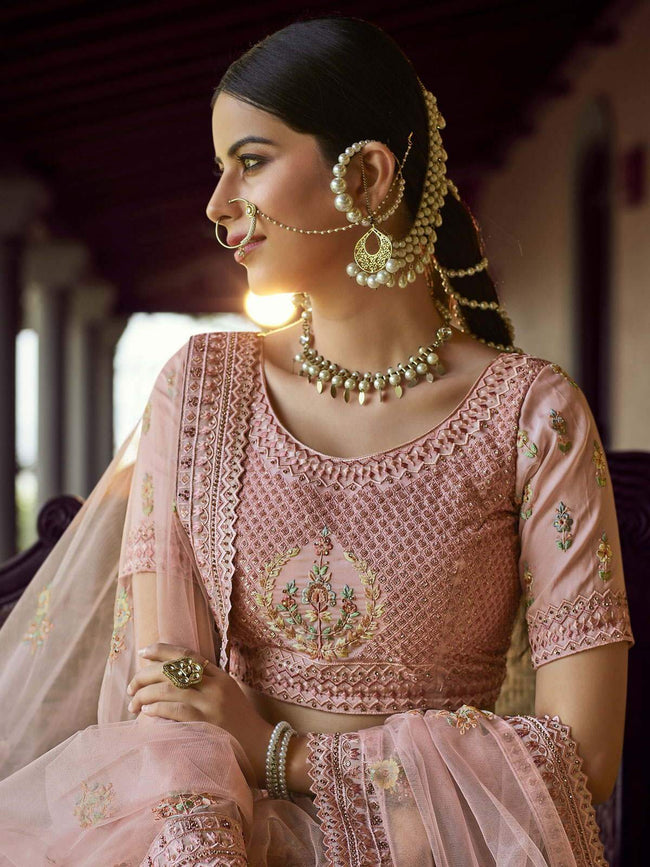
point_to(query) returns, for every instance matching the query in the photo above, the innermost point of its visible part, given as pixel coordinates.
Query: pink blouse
(378, 584)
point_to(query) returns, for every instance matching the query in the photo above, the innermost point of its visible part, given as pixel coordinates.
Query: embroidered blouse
(387, 582)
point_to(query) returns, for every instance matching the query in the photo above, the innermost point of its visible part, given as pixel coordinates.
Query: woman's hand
(218, 699)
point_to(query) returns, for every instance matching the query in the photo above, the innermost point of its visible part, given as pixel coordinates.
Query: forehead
(233, 118)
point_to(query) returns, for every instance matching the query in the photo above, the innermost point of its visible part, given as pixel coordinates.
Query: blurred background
(108, 262)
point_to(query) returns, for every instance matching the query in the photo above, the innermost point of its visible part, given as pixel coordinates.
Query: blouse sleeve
(570, 563)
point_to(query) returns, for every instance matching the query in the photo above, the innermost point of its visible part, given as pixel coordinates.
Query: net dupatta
(83, 781)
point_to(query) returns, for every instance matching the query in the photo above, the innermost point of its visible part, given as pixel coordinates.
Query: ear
(380, 166)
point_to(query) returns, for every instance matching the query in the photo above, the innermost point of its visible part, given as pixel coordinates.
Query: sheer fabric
(87, 784)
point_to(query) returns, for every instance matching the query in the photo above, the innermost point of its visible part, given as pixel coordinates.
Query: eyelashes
(243, 159)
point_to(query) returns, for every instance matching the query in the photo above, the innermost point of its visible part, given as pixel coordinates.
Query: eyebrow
(249, 139)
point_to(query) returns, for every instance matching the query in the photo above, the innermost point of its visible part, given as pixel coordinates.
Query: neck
(383, 327)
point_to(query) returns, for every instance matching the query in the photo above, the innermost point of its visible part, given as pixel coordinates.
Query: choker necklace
(424, 366)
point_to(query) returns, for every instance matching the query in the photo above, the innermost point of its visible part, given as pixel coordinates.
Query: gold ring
(183, 672)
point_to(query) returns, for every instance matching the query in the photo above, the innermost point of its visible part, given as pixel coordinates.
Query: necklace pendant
(399, 391)
(362, 397)
(346, 395)
(333, 390)
(319, 386)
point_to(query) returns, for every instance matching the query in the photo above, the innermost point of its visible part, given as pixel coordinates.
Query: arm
(587, 691)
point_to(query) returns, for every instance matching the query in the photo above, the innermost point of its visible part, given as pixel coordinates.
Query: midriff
(308, 719)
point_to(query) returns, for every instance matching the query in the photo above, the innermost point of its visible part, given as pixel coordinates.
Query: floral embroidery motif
(171, 382)
(560, 370)
(604, 555)
(182, 803)
(146, 418)
(528, 446)
(524, 501)
(147, 494)
(314, 632)
(94, 804)
(527, 579)
(563, 523)
(559, 425)
(121, 617)
(598, 459)
(40, 627)
(385, 773)
(465, 718)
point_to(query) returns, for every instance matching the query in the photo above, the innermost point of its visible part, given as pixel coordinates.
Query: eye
(245, 160)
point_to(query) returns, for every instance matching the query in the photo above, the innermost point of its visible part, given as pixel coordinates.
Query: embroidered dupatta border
(350, 818)
(215, 418)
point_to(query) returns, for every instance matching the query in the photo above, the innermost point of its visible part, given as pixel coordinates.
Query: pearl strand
(425, 365)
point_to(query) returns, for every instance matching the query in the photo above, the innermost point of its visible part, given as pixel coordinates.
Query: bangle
(282, 764)
(276, 757)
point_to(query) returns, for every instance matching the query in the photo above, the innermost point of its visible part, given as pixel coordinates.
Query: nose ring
(251, 211)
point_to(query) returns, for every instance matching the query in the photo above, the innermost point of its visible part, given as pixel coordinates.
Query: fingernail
(129, 690)
(142, 651)
(130, 705)
(145, 708)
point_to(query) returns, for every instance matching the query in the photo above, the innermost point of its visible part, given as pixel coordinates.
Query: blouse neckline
(375, 456)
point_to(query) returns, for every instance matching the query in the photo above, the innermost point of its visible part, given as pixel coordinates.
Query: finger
(151, 674)
(160, 691)
(174, 710)
(164, 652)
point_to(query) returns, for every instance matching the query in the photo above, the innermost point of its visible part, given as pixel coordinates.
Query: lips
(237, 239)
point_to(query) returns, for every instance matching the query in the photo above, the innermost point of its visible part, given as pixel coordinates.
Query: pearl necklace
(426, 365)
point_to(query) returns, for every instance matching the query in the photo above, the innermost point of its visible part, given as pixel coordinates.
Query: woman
(322, 571)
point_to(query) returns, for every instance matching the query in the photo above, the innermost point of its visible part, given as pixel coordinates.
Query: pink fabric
(219, 498)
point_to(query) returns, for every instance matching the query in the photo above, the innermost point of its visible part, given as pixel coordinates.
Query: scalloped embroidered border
(214, 429)
(556, 755)
(599, 618)
(347, 687)
(283, 453)
(211, 839)
(352, 827)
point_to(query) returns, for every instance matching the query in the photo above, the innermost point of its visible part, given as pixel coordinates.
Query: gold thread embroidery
(40, 627)
(528, 585)
(147, 494)
(604, 555)
(563, 523)
(559, 425)
(524, 501)
(182, 803)
(465, 718)
(171, 382)
(560, 370)
(94, 804)
(146, 418)
(314, 632)
(121, 617)
(525, 443)
(598, 459)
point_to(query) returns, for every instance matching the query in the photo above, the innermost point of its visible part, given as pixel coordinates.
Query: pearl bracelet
(276, 758)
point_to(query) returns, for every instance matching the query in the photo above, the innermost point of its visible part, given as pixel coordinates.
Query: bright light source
(269, 311)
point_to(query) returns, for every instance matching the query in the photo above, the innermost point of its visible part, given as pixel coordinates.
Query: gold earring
(367, 261)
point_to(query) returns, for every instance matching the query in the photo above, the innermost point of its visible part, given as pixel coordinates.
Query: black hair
(343, 80)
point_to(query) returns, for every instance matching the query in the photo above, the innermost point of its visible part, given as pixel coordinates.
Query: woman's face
(286, 176)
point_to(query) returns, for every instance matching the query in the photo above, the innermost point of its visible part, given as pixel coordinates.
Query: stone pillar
(51, 269)
(107, 335)
(90, 306)
(23, 198)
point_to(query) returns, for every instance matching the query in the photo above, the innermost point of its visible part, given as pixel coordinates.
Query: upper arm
(587, 691)
(571, 572)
